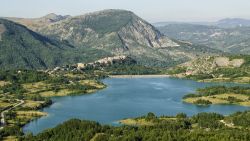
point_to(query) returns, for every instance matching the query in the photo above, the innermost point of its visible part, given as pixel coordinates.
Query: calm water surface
(125, 98)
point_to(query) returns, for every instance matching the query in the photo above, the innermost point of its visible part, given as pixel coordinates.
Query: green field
(220, 95)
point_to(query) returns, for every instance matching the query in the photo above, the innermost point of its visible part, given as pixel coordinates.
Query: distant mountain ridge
(233, 22)
(223, 23)
(232, 40)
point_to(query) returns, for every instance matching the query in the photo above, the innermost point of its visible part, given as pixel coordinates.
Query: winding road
(3, 121)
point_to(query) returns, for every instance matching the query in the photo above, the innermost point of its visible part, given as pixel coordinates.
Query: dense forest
(200, 127)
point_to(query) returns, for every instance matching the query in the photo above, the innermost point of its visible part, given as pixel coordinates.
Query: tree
(181, 115)
(150, 116)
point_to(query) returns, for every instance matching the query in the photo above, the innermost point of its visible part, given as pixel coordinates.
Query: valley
(37, 89)
(110, 67)
(128, 97)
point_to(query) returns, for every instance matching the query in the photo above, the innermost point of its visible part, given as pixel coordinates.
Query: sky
(151, 10)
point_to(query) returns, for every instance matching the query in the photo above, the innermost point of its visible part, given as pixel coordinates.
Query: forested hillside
(23, 48)
(200, 127)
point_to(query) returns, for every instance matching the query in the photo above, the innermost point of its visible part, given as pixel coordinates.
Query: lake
(126, 98)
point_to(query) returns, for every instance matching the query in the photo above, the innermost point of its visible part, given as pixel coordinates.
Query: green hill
(23, 48)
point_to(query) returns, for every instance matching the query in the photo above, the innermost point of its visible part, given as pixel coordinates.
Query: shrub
(232, 99)
(191, 96)
(202, 102)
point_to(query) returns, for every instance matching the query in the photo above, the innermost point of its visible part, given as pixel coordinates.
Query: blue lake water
(126, 98)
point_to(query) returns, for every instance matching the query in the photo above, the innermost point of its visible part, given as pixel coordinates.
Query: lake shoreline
(141, 76)
(43, 114)
(123, 82)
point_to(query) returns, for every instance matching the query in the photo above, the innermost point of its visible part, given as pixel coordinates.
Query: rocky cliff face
(141, 32)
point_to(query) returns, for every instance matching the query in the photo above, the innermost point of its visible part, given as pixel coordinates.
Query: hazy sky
(151, 10)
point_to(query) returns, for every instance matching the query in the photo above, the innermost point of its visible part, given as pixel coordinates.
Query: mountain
(112, 33)
(119, 32)
(105, 25)
(23, 48)
(233, 40)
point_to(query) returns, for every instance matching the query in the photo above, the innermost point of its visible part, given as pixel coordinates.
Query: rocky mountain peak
(52, 17)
